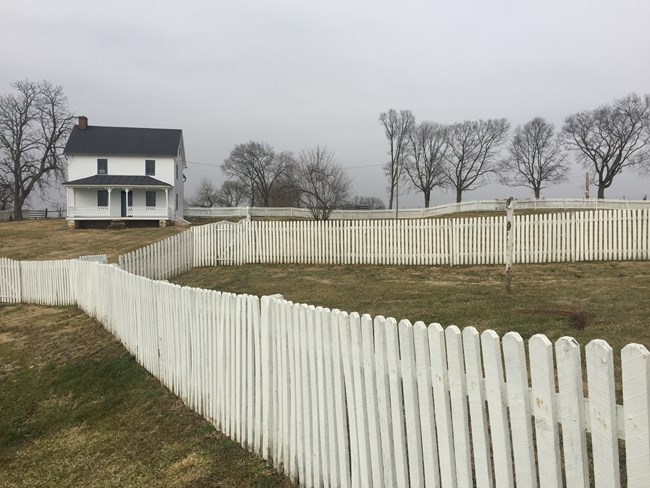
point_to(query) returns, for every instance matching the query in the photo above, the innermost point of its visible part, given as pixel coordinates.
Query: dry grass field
(77, 410)
(51, 239)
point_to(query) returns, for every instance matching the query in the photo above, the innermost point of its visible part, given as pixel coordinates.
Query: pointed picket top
(495, 393)
(523, 450)
(458, 400)
(636, 399)
(477, 407)
(442, 404)
(425, 403)
(602, 413)
(544, 409)
(411, 406)
(571, 406)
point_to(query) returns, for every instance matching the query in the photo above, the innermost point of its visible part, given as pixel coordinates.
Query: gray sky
(297, 74)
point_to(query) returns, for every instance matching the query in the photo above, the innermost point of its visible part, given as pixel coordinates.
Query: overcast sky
(297, 74)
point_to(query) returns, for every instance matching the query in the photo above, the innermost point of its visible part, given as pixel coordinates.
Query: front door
(123, 202)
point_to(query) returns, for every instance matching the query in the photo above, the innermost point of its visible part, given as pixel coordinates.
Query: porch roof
(118, 180)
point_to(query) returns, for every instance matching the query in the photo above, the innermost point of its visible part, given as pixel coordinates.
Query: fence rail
(543, 238)
(338, 399)
(411, 213)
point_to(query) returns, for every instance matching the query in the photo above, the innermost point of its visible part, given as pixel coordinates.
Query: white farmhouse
(124, 174)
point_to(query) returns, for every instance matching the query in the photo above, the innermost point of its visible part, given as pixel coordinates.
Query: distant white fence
(539, 238)
(413, 213)
(338, 399)
(96, 258)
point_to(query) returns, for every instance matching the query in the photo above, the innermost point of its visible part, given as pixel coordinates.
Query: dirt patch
(576, 319)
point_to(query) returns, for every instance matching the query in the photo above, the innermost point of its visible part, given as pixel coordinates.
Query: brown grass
(77, 410)
(52, 239)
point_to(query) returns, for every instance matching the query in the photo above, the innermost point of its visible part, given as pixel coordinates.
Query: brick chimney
(83, 122)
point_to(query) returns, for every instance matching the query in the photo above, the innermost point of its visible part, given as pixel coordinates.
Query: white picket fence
(9, 281)
(338, 399)
(163, 259)
(538, 238)
(414, 213)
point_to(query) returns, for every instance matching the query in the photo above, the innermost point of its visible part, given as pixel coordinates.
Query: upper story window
(150, 167)
(102, 166)
(176, 171)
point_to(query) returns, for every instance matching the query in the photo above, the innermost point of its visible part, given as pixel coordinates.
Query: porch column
(126, 197)
(69, 196)
(109, 201)
(167, 202)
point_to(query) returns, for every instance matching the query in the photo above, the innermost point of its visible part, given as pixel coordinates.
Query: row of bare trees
(260, 175)
(466, 155)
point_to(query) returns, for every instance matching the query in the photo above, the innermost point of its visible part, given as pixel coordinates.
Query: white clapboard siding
(337, 399)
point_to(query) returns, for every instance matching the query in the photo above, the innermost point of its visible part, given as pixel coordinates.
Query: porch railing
(78, 212)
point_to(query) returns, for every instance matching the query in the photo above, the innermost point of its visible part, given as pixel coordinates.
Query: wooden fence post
(510, 210)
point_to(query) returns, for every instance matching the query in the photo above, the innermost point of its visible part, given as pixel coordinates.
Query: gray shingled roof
(123, 141)
(117, 180)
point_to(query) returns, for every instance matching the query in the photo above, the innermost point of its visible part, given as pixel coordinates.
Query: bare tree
(369, 203)
(205, 195)
(34, 126)
(611, 137)
(397, 127)
(232, 194)
(426, 156)
(536, 157)
(256, 165)
(5, 197)
(472, 152)
(321, 182)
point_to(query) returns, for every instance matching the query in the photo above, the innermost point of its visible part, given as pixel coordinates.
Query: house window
(102, 166)
(102, 198)
(176, 171)
(151, 199)
(176, 207)
(150, 167)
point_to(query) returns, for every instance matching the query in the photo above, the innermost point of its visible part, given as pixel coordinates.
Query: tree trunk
(18, 203)
(459, 195)
(601, 191)
(537, 192)
(390, 199)
(427, 199)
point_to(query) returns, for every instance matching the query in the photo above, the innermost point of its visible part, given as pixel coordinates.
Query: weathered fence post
(510, 210)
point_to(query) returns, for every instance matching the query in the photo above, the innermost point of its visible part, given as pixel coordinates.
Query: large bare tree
(259, 167)
(34, 125)
(397, 127)
(232, 194)
(535, 157)
(322, 183)
(426, 156)
(205, 195)
(611, 137)
(473, 147)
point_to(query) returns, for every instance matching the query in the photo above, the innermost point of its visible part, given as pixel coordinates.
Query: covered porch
(105, 197)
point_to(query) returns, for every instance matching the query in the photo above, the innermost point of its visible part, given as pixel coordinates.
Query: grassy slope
(77, 410)
(51, 239)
